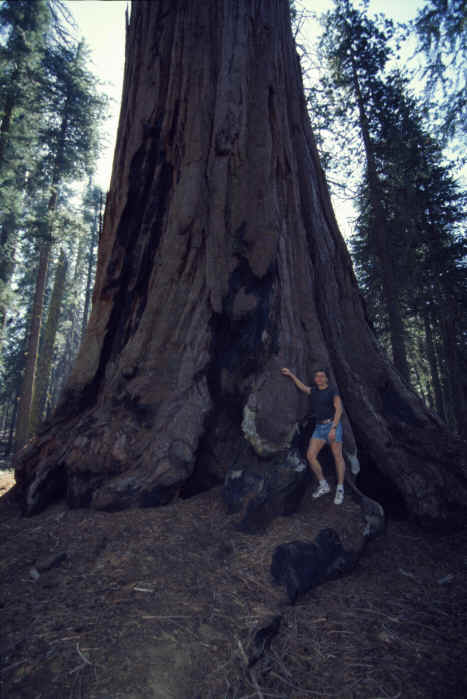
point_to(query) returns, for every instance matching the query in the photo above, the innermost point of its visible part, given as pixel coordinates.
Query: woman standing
(326, 407)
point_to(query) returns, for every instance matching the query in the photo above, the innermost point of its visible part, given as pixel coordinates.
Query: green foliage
(405, 189)
(22, 28)
(441, 27)
(424, 212)
(50, 110)
(351, 44)
(73, 110)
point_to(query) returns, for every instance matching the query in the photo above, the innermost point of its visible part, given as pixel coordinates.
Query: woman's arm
(337, 410)
(337, 414)
(299, 384)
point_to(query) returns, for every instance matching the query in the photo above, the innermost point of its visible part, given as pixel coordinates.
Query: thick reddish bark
(220, 261)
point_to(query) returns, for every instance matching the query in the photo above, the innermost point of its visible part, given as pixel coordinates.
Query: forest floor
(164, 603)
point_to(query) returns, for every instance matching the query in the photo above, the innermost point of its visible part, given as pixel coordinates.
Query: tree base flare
(219, 263)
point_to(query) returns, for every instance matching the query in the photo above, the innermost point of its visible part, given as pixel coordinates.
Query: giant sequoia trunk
(220, 262)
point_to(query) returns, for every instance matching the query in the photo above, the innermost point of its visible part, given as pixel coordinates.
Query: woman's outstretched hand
(286, 372)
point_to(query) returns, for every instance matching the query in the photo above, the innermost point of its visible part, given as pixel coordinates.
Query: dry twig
(250, 672)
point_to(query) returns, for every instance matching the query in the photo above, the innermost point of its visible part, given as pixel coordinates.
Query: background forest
(389, 112)
(390, 123)
(51, 115)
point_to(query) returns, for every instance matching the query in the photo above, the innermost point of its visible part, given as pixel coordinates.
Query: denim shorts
(322, 432)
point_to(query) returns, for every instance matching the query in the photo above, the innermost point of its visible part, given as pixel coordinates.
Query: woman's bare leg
(336, 448)
(314, 448)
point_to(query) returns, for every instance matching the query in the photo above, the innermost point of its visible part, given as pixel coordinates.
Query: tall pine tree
(441, 26)
(23, 25)
(69, 139)
(356, 52)
(408, 197)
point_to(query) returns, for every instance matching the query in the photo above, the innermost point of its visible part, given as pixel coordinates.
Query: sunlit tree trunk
(47, 345)
(95, 231)
(220, 262)
(23, 420)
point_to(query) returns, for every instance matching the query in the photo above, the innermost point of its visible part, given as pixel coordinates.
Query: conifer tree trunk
(453, 377)
(220, 262)
(23, 420)
(47, 345)
(11, 427)
(95, 230)
(24, 424)
(73, 320)
(430, 351)
(381, 238)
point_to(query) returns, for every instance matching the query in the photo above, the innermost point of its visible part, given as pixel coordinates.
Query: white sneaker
(339, 499)
(322, 489)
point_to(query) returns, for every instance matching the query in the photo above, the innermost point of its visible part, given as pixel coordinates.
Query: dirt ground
(164, 603)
